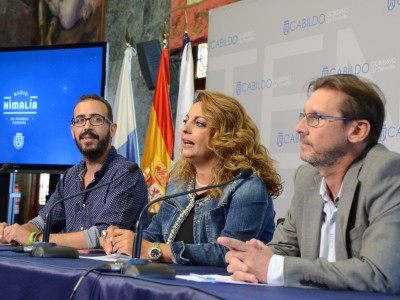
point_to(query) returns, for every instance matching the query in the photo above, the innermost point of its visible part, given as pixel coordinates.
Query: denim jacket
(244, 211)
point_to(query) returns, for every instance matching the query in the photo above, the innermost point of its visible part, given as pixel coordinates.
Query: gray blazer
(367, 228)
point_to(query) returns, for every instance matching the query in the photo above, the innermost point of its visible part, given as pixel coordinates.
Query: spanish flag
(159, 143)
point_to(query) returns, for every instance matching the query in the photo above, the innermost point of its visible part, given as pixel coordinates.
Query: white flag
(186, 92)
(125, 140)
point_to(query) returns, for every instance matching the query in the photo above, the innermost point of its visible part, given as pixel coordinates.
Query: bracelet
(32, 238)
(36, 239)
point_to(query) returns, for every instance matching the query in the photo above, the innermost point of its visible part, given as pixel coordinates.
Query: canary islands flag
(125, 139)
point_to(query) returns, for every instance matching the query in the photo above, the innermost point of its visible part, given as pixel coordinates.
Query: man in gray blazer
(342, 230)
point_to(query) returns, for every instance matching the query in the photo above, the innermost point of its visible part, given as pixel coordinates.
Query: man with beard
(78, 222)
(343, 224)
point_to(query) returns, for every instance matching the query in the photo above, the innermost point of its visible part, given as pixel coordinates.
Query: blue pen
(205, 277)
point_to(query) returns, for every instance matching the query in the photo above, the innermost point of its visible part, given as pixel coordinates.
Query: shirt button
(83, 205)
(81, 228)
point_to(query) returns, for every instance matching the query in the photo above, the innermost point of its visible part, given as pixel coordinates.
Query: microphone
(47, 249)
(22, 249)
(140, 267)
(19, 249)
(5, 167)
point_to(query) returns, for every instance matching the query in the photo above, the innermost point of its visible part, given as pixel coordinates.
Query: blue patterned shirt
(117, 204)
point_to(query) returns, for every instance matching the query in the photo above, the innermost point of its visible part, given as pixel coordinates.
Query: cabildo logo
(232, 40)
(18, 140)
(283, 139)
(356, 69)
(252, 86)
(392, 3)
(224, 42)
(19, 106)
(303, 23)
(389, 132)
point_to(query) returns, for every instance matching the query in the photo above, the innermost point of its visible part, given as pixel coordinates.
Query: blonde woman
(218, 140)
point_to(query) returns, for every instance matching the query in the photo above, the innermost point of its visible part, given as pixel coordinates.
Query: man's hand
(2, 238)
(247, 261)
(117, 241)
(15, 234)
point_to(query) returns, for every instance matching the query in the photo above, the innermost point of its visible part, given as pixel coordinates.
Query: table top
(60, 275)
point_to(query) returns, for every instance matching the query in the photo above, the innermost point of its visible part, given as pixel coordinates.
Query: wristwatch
(155, 252)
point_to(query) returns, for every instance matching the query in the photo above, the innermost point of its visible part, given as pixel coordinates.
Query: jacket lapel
(347, 195)
(313, 220)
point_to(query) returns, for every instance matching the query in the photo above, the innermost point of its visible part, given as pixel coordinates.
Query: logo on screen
(392, 3)
(356, 69)
(18, 140)
(224, 42)
(283, 138)
(389, 132)
(303, 23)
(253, 85)
(20, 107)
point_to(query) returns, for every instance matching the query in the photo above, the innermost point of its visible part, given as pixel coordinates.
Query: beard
(93, 152)
(326, 158)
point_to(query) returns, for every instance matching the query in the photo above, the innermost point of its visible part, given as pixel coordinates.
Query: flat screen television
(39, 87)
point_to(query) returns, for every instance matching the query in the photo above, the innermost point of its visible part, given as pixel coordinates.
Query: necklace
(199, 184)
(182, 216)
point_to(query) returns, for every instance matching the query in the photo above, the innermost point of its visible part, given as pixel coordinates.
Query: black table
(25, 277)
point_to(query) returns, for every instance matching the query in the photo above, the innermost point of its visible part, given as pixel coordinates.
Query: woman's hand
(166, 252)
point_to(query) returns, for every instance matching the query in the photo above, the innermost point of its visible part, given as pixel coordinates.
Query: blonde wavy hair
(235, 140)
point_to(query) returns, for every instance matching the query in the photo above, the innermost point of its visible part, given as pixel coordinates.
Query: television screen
(39, 87)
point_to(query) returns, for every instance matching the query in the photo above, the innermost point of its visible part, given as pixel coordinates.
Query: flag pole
(186, 89)
(165, 35)
(127, 37)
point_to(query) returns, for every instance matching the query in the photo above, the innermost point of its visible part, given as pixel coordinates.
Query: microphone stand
(136, 266)
(52, 250)
(5, 167)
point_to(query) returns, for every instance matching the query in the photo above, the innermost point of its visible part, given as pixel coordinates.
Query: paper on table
(213, 278)
(109, 258)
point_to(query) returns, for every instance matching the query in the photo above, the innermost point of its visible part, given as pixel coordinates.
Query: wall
(145, 20)
(267, 62)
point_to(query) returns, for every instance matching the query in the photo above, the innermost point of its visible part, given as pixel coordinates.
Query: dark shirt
(117, 204)
(185, 232)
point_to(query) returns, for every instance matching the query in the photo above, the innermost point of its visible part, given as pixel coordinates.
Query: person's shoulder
(121, 162)
(252, 182)
(306, 174)
(175, 185)
(379, 153)
(306, 170)
(254, 178)
(75, 169)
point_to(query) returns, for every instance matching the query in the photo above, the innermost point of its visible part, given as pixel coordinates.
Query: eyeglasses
(313, 118)
(95, 120)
